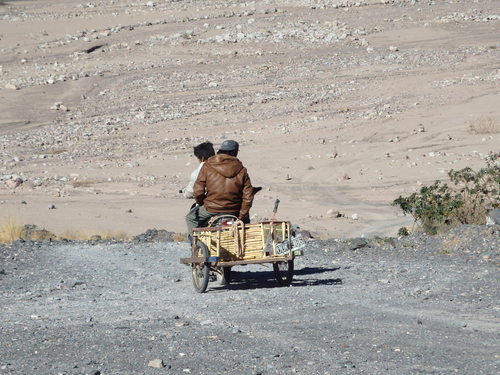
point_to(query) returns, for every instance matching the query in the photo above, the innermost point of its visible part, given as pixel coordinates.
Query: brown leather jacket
(223, 186)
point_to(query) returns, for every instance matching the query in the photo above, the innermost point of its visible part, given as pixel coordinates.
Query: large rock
(12, 180)
(493, 217)
(358, 243)
(33, 232)
(12, 184)
(155, 235)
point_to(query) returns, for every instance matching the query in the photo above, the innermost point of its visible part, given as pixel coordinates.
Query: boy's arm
(199, 186)
(188, 191)
(247, 198)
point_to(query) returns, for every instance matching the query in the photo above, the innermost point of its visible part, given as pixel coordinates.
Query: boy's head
(229, 147)
(204, 150)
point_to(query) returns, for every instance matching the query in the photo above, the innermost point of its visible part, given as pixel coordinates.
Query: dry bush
(82, 183)
(55, 151)
(112, 235)
(10, 230)
(33, 232)
(485, 125)
(75, 235)
(84, 236)
(179, 237)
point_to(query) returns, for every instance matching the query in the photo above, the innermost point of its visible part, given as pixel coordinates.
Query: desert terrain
(339, 106)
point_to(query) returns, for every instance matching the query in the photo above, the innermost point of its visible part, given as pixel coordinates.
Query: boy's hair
(204, 150)
(228, 152)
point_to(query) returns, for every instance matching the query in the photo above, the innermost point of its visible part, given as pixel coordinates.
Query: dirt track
(420, 305)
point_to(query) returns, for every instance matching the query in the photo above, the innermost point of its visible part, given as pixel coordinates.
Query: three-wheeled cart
(216, 249)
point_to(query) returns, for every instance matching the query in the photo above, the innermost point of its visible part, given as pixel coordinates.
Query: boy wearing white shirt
(203, 151)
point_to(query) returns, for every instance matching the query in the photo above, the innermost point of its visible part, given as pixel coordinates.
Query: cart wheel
(200, 271)
(224, 277)
(283, 272)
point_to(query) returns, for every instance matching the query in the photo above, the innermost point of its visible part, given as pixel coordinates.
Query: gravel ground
(417, 305)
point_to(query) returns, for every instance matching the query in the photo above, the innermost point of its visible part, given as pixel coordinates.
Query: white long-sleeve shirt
(188, 190)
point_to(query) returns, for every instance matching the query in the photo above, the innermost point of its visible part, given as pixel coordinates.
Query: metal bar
(193, 260)
(254, 261)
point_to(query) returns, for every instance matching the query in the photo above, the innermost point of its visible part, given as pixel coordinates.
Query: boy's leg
(192, 219)
(197, 217)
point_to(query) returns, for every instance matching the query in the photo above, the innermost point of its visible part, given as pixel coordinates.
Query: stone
(56, 106)
(33, 232)
(358, 243)
(11, 86)
(51, 206)
(156, 363)
(305, 234)
(12, 184)
(493, 217)
(36, 182)
(355, 216)
(333, 213)
(155, 235)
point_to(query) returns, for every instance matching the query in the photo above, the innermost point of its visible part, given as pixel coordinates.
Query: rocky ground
(340, 106)
(415, 305)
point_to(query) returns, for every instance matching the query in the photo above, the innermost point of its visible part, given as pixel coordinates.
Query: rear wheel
(200, 271)
(283, 271)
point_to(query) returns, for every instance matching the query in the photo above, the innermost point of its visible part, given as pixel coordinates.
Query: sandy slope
(336, 107)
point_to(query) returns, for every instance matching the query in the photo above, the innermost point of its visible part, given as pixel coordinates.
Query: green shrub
(403, 231)
(466, 199)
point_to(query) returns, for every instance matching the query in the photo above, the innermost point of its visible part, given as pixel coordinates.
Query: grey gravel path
(419, 305)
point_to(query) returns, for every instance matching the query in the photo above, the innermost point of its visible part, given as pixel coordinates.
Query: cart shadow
(266, 279)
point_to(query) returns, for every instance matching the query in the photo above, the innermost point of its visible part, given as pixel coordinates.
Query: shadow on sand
(242, 280)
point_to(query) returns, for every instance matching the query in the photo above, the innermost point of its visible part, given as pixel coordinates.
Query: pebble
(11, 86)
(156, 363)
(333, 213)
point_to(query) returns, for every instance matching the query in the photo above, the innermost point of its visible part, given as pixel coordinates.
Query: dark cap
(229, 145)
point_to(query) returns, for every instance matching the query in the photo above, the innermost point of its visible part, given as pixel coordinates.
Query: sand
(337, 107)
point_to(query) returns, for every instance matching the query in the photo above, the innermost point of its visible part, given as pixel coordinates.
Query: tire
(224, 277)
(283, 271)
(200, 272)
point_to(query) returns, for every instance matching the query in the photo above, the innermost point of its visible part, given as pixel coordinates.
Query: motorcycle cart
(229, 242)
